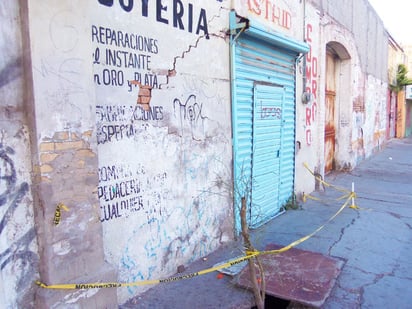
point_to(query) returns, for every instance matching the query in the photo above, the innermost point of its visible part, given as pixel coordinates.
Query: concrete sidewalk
(375, 242)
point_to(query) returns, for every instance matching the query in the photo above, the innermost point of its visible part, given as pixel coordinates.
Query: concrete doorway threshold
(296, 275)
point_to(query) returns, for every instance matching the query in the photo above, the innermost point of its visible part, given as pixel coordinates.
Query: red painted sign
(311, 85)
(272, 12)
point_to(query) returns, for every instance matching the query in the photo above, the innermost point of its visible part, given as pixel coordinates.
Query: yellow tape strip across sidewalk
(319, 178)
(147, 282)
(248, 256)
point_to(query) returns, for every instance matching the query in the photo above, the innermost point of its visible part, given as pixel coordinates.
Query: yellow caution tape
(319, 178)
(348, 193)
(308, 196)
(301, 240)
(350, 196)
(58, 213)
(249, 255)
(101, 285)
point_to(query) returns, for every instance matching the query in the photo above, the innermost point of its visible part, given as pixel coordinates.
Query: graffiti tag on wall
(311, 86)
(11, 196)
(189, 114)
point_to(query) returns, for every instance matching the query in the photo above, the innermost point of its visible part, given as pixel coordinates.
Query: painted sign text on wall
(311, 85)
(180, 16)
(117, 51)
(117, 122)
(272, 12)
(124, 190)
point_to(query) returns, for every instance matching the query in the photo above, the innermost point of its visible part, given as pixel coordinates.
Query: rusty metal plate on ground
(301, 276)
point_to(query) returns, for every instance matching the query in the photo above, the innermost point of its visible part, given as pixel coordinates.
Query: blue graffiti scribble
(11, 196)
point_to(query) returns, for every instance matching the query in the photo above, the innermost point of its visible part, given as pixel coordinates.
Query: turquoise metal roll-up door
(263, 109)
(266, 147)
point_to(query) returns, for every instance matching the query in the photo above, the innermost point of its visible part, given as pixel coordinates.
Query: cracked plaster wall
(61, 115)
(163, 128)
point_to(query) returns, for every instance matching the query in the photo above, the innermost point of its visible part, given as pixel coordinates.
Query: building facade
(131, 130)
(405, 110)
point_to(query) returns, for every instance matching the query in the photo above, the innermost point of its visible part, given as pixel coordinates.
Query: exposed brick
(145, 107)
(85, 153)
(74, 137)
(45, 179)
(48, 157)
(45, 168)
(146, 92)
(45, 147)
(62, 136)
(36, 169)
(69, 145)
(80, 164)
(143, 100)
(88, 133)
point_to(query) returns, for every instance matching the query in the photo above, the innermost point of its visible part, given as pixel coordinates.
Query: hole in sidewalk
(274, 302)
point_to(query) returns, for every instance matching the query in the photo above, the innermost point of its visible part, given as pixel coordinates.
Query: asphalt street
(374, 241)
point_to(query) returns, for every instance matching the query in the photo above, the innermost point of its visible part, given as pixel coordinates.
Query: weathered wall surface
(356, 34)
(61, 97)
(161, 81)
(375, 115)
(308, 116)
(282, 16)
(18, 248)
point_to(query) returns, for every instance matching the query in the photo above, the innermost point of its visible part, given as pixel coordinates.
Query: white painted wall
(165, 183)
(58, 42)
(375, 115)
(308, 115)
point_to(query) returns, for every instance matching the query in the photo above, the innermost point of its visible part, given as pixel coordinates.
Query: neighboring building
(399, 102)
(395, 121)
(131, 130)
(408, 60)
(407, 110)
